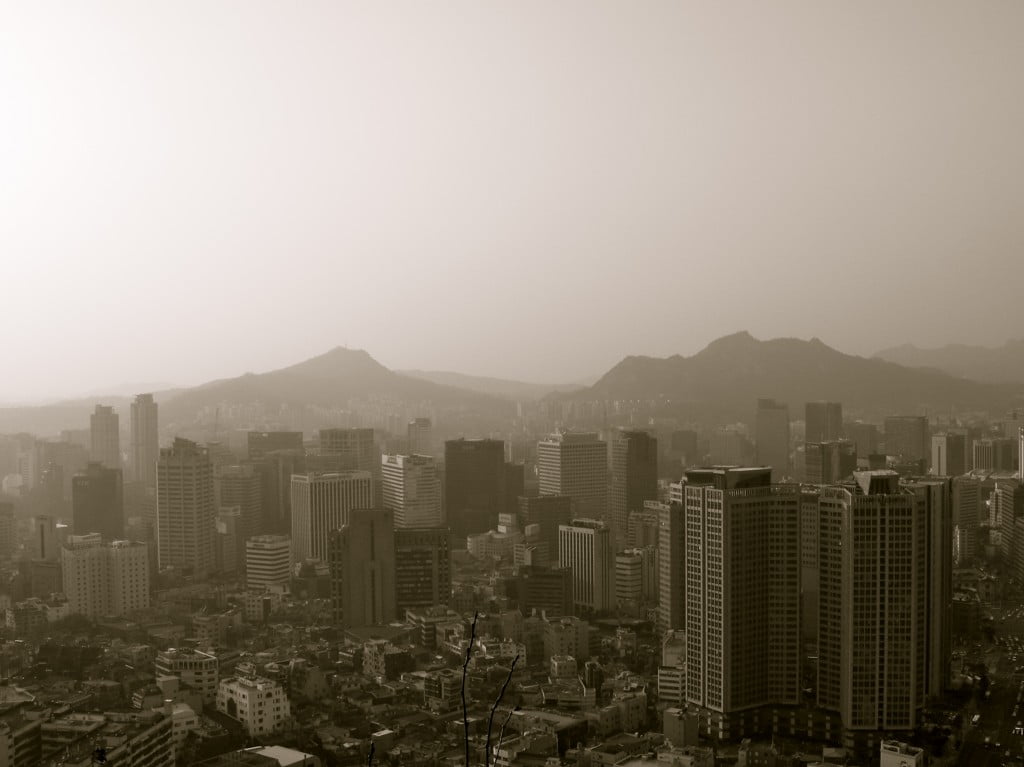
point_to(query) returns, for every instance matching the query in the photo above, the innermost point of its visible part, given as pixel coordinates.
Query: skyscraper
(186, 508)
(354, 447)
(420, 434)
(102, 579)
(549, 512)
(240, 487)
(742, 578)
(412, 490)
(883, 581)
(268, 560)
(259, 443)
(145, 440)
(363, 569)
(906, 436)
(829, 462)
(966, 494)
(824, 421)
(634, 479)
(97, 502)
(575, 464)
(322, 503)
(772, 443)
(105, 437)
(949, 454)
(671, 567)
(423, 562)
(474, 482)
(585, 547)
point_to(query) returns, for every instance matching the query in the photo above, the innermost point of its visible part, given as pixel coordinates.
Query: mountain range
(1000, 364)
(719, 384)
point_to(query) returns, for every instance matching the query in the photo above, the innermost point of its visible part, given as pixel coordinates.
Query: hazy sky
(190, 190)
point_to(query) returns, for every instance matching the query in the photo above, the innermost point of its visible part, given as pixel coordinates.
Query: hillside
(724, 380)
(497, 387)
(1001, 364)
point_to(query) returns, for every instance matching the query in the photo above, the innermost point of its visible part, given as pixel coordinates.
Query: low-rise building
(259, 704)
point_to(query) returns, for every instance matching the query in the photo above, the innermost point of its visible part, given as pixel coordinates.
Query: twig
(497, 702)
(369, 759)
(465, 670)
(501, 732)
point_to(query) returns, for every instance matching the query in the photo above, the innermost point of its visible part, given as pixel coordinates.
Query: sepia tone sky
(191, 190)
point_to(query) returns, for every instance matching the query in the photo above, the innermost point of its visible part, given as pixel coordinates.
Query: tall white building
(742, 602)
(420, 434)
(186, 512)
(104, 579)
(268, 561)
(105, 437)
(320, 504)
(412, 490)
(575, 464)
(260, 704)
(144, 442)
(585, 546)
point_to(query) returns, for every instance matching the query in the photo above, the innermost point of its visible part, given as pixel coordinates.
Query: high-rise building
(97, 502)
(829, 462)
(635, 579)
(8, 541)
(575, 464)
(259, 443)
(412, 490)
(864, 436)
(241, 487)
(1007, 506)
(823, 421)
(275, 471)
(545, 590)
(105, 437)
(423, 562)
(45, 545)
(420, 435)
(967, 503)
(268, 561)
(634, 479)
(883, 564)
(363, 569)
(671, 567)
(145, 440)
(949, 454)
(809, 580)
(742, 578)
(549, 512)
(186, 508)
(585, 547)
(104, 579)
(355, 449)
(906, 436)
(772, 437)
(995, 455)
(474, 485)
(321, 504)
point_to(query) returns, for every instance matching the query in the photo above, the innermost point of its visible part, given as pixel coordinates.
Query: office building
(772, 436)
(321, 504)
(8, 539)
(575, 464)
(546, 591)
(823, 421)
(275, 470)
(742, 577)
(549, 512)
(907, 438)
(829, 462)
(1007, 506)
(260, 705)
(967, 505)
(671, 567)
(105, 437)
(240, 487)
(949, 454)
(475, 485)
(260, 443)
(995, 455)
(883, 562)
(423, 574)
(412, 490)
(363, 569)
(354, 448)
(268, 561)
(636, 580)
(864, 436)
(634, 479)
(585, 547)
(145, 440)
(97, 502)
(420, 436)
(45, 545)
(186, 508)
(104, 579)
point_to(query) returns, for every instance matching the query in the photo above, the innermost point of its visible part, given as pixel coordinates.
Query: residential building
(144, 442)
(186, 508)
(259, 704)
(104, 579)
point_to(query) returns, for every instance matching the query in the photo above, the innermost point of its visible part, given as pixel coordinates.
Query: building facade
(321, 504)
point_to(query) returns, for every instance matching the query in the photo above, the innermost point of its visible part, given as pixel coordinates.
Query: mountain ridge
(993, 364)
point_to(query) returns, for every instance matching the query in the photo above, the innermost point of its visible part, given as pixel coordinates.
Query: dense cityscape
(587, 582)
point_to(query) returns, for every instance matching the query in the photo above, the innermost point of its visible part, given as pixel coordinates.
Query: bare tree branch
(497, 702)
(501, 732)
(465, 670)
(369, 759)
